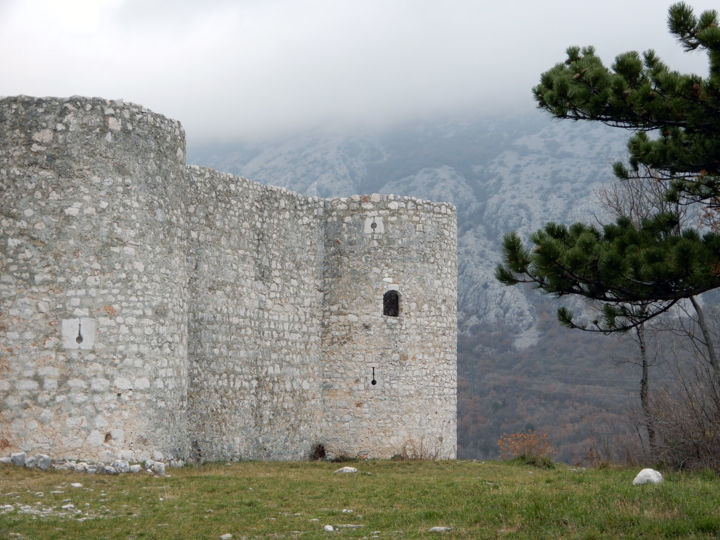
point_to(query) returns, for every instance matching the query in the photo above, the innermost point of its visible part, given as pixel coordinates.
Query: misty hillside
(517, 368)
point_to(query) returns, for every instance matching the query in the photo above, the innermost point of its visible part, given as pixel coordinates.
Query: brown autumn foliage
(530, 444)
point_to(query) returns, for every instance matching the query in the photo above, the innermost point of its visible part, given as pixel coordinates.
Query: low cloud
(256, 68)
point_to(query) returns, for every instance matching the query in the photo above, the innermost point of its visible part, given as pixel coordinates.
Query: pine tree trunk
(712, 357)
(644, 385)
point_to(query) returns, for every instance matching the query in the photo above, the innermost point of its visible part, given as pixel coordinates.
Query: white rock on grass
(227, 536)
(329, 528)
(121, 465)
(157, 467)
(43, 462)
(346, 470)
(18, 459)
(440, 529)
(647, 476)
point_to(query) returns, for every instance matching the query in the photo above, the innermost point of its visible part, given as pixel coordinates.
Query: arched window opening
(391, 304)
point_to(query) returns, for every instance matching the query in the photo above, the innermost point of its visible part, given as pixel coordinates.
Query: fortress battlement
(152, 308)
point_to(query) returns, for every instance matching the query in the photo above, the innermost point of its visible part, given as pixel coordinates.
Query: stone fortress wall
(149, 309)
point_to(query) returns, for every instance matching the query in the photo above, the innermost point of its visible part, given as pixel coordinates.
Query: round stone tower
(390, 327)
(93, 280)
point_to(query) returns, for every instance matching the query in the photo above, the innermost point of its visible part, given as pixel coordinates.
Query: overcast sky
(250, 68)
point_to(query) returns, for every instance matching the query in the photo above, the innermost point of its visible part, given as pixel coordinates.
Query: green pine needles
(636, 270)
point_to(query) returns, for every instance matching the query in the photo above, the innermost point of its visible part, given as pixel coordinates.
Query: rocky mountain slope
(503, 174)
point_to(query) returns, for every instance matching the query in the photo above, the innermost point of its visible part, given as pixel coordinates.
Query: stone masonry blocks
(155, 310)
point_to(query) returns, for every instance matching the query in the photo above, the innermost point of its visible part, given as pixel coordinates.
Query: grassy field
(382, 500)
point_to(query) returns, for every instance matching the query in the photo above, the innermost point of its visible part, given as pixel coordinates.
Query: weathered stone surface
(121, 465)
(18, 459)
(126, 455)
(44, 462)
(391, 381)
(157, 310)
(157, 467)
(80, 215)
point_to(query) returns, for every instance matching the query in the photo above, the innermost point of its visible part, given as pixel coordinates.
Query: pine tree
(637, 271)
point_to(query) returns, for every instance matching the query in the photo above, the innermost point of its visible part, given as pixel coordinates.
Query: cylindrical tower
(93, 280)
(390, 327)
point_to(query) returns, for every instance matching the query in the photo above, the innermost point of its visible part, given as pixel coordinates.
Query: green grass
(388, 499)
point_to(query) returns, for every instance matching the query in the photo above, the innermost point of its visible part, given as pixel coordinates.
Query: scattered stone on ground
(647, 476)
(329, 528)
(67, 510)
(157, 467)
(440, 529)
(227, 536)
(118, 466)
(346, 470)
